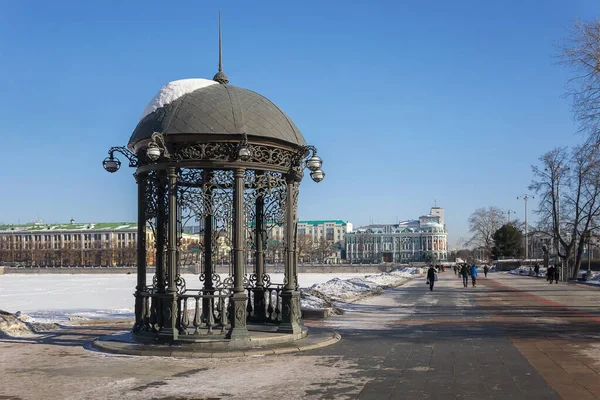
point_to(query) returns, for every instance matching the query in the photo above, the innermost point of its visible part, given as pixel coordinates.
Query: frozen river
(57, 297)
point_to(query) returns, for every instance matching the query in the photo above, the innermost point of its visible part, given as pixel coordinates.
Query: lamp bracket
(158, 140)
(133, 160)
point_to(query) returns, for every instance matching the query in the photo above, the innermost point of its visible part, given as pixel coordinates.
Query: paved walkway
(509, 338)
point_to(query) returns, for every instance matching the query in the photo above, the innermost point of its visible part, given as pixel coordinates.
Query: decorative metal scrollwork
(266, 280)
(252, 278)
(216, 279)
(207, 151)
(225, 283)
(260, 154)
(180, 284)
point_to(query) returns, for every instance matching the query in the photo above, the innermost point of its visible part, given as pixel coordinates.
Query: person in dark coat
(550, 274)
(536, 269)
(556, 275)
(464, 272)
(485, 270)
(431, 277)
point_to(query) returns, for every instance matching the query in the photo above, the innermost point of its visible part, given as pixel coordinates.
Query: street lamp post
(526, 197)
(508, 215)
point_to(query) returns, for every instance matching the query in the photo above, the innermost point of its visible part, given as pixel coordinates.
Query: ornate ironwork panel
(228, 151)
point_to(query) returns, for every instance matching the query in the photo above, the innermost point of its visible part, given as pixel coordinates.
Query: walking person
(431, 277)
(473, 272)
(455, 268)
(550, 274)
(485, 270)
(556, 275)
(464, 272)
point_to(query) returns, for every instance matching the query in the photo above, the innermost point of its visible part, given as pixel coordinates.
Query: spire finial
(220, 76)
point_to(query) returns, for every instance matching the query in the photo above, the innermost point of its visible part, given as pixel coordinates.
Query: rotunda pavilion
(227, 158)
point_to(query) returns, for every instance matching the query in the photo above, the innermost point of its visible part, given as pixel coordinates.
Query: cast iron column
(209, 288)
(238, 331)
(160, 234)
(260, 312)
(141, 252)
(290, 297)
(170, 299)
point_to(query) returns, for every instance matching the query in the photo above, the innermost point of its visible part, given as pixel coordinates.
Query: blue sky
(408, 102)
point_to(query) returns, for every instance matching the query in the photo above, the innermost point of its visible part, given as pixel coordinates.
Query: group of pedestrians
(464, 271)
(553, 274)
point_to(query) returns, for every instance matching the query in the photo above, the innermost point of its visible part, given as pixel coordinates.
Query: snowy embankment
(335, 292)
(525, 271)
(34, 303)
(21, 325)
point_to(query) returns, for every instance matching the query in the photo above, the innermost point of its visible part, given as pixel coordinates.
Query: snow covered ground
(335, 292)
(524, 271)
(60, 298)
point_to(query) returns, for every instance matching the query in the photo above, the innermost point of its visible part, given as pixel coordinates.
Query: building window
(329, 234)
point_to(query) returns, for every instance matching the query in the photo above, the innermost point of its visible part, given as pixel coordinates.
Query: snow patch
(594, 277)
(81, 298)
(11, 325)
(329, 294)
(174, 90)
(592, 352)
(525, 270)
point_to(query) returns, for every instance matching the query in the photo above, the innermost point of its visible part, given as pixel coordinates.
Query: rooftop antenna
(220, 76)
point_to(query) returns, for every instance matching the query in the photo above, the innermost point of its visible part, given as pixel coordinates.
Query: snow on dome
(174, 90)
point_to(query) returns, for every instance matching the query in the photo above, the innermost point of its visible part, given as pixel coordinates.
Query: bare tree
(465, 254)
(582, 53)
(569, 188)
(5, 250)
(324, 249)
(304, 247)
(483, 223)
(365, 245)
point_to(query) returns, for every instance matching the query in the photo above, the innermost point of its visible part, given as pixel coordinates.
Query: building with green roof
(71, 244)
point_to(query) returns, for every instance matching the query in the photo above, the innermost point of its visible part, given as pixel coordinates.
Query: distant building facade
(424, 239)
(115, 244)
(93, 244)
(318, 240)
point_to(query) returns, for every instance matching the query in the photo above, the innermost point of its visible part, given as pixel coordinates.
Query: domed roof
(200, 106)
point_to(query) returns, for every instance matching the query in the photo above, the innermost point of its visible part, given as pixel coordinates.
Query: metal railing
(203, 312)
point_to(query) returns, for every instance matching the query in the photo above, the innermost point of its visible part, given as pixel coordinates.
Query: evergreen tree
(507, 242)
